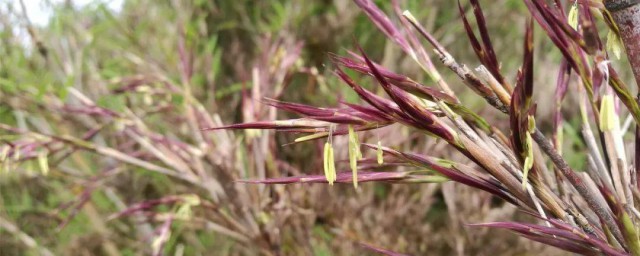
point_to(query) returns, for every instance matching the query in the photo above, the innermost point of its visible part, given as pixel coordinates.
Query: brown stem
(626, 14)
(589, 195)
(500, 173)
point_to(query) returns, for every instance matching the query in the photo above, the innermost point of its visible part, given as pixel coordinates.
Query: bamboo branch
(577, 182)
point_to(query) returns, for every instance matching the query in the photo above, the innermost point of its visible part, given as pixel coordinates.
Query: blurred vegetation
(153, 60)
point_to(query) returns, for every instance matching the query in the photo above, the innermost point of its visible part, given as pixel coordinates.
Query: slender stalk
(594, 152)
(577, 182)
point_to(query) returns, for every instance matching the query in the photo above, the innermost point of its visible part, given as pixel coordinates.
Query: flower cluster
(588, 212)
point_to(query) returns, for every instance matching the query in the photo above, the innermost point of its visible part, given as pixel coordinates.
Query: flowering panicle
(588, 213)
